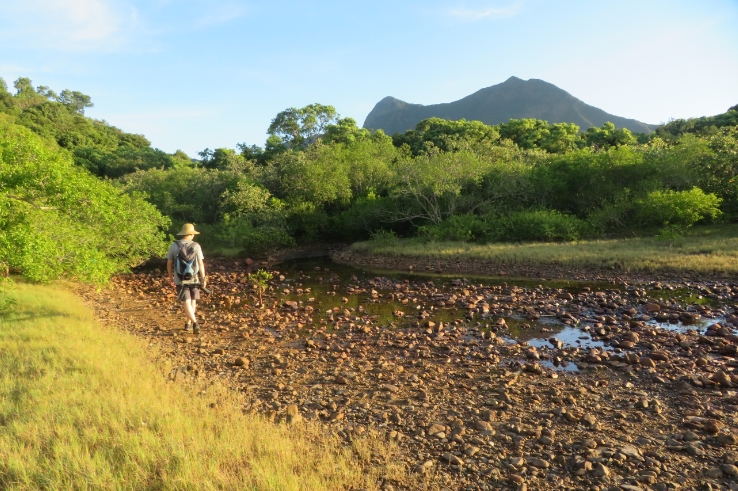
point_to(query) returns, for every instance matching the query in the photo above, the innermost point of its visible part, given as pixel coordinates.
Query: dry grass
(82, 407)
(703, 250)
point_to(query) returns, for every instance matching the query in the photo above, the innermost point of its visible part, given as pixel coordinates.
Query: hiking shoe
(188, 326)
(196, 328)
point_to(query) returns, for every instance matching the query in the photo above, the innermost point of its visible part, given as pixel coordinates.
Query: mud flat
(485, 383)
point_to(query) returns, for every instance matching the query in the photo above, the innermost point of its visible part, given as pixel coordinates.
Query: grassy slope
(82, 407)
(703, 249)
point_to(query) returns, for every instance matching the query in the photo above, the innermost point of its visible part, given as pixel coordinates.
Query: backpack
(186, 264)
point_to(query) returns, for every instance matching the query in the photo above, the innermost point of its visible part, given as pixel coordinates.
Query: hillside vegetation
(83, 407)
(320, 177)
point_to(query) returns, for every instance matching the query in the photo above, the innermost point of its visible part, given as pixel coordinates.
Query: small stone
(540, 463)
(482, 425)
(436, 428)
(711, 426)
(694, 450)
(727, 439)
(644, 361)
(241, 362)
(517, 461)
(730, 470)
(589, 419)
(601, 470)
(452, 459)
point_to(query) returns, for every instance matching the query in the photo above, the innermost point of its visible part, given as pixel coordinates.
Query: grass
(83, 407)
(708, 249)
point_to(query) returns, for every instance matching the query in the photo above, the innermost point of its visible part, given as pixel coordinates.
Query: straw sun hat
(188, 229)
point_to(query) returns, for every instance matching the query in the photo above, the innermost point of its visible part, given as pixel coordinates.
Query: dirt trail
(648, 408)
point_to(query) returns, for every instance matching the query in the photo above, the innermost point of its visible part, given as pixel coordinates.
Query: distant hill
(514, 98)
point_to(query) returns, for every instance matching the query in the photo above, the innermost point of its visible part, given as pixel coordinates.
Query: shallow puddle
(334, 288)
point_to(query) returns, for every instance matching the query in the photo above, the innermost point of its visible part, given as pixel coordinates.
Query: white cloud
(107, 25)
(69, 25)
(486, 12)
(222, 12)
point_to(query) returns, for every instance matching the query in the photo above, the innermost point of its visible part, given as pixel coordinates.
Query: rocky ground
(442, 366)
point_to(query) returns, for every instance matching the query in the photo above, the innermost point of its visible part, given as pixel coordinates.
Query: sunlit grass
(711, 249)
(83, 407)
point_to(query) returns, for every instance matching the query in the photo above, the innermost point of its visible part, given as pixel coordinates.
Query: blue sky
(206, 73)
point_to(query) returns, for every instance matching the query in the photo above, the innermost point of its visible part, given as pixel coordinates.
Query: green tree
(300, 127)
(440, 133)
(75, 101)
(608, 136)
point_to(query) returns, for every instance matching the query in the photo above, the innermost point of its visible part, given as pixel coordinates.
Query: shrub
(537, 225)
(678, 208)
(384, 237)
(463, 228)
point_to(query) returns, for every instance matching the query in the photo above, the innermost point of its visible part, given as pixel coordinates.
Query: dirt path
(648, 408)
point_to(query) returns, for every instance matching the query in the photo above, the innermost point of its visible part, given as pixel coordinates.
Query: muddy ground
(485, 383)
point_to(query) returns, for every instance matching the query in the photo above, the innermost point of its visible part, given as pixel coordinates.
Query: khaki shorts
(188, 292)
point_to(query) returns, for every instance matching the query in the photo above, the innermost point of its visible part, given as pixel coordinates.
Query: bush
(537, 225)
(384, 237)
(462, 228)
(678, 208)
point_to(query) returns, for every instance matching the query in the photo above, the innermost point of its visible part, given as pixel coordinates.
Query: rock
(722, 379)
(730, 470)
(482, 425)
(589, 419)
(517, 462)
(694, 450)
(727, 439)
(540, 463)
(471, 451)
(653, 307)
(631, 452)
(711, 426)
(601, 470)
(632, 337)
(241, 362)
(714, 472)
(452, 459)
(436, 428)
(647, 362)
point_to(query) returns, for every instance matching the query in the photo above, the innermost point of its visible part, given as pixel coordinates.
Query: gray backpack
(186, 265)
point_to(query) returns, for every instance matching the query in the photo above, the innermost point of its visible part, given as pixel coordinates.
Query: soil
(484, 383)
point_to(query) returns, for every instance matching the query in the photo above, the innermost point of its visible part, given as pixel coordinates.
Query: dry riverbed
(484, 384)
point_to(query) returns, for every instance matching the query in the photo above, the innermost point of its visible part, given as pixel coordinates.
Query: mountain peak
(513, 98)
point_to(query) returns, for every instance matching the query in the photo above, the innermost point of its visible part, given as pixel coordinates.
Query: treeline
(320, 177)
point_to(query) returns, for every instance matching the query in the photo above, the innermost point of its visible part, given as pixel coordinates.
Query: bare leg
(189, 308)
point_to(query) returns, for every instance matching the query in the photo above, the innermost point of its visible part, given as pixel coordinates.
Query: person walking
(186, 270)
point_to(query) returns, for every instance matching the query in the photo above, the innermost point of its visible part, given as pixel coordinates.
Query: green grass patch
(708, 249)
(83, 407)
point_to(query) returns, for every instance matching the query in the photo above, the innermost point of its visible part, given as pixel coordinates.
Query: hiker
(186, 271)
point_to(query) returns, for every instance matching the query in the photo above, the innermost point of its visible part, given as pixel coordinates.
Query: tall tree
(74, 100)
(301, 127)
